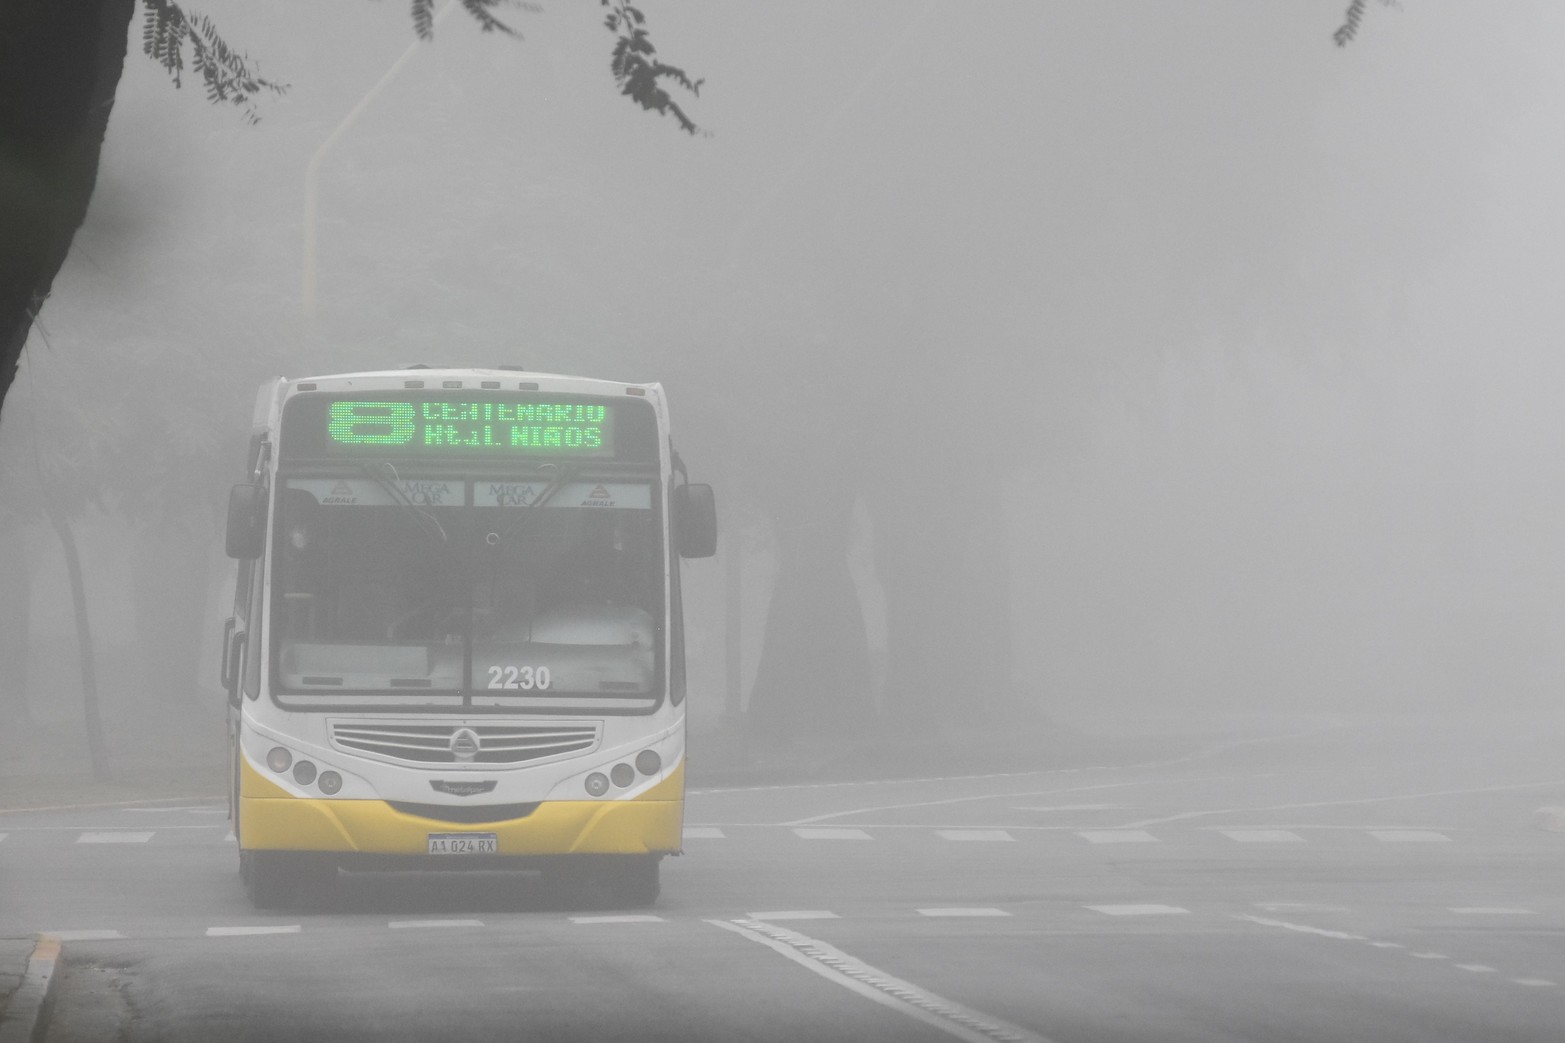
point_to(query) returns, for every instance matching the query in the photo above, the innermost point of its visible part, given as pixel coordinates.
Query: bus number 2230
(524, 677)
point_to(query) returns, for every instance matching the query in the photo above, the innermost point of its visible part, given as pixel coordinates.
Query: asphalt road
(1368, 880)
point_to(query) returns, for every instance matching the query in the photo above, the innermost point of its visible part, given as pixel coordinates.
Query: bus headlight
(304, 773)
(278, 759)
(622, 774)
(597, 784)
(648, 762)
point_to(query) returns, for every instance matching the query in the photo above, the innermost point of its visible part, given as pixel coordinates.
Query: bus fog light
(597, 784)
(278, 759)
(622, 774)
(304, 773)
(648, 762)
(330, 782)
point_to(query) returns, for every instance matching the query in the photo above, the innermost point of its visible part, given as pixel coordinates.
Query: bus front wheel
(608, 881)
(280, 879)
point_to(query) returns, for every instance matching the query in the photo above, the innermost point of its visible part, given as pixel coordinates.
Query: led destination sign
(579, 428)
(420, 424)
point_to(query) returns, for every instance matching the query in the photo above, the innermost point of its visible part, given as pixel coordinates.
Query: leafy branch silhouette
(228, 75)
(1353, 16)
(637, 70)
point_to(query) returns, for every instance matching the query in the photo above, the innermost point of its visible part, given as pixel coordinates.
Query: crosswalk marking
(1138, 910)
(830, 833)
(704, 833)
(1262, 836)
(239, 931)
(1117, 836)
(1409, 836)
(116, 837)
(963, 912)
(976, 835)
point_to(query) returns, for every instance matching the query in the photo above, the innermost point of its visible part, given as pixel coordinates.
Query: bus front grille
(434, 743)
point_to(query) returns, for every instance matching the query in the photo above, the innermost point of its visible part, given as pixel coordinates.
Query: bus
(457, 637)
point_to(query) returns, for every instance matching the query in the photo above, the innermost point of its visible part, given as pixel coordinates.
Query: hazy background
(1220, 363)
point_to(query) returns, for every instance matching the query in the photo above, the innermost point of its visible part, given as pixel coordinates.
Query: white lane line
(1492, 910)
(1536, 983)
(979, 911)
(1477, 968)
(977, 835)
(829, 833)
(629, 918)
(240, 931)
(1381, 945)
(1138, 910)
(1116, 836)
(795, 914)
(117, 837)
(1319, 932)
(836, 966)
(1262, 836)
(704, 833)
(400, 924)
(1429, 956)
(1345, 803)
(84, 936)
(963, 800)
(1410, 836)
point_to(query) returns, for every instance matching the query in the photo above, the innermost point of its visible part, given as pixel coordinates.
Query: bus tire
(284, 879)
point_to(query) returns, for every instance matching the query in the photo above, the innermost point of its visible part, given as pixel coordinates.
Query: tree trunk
(942, 562)
(15, 616)
(91, 718)
(813, 677)
(60, 64)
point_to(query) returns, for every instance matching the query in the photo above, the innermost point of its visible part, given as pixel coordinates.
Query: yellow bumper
(272, 820)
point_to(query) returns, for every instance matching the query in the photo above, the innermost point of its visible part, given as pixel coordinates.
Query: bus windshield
(429, 590)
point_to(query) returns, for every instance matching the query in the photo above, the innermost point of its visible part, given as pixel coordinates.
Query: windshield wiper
(385, 476)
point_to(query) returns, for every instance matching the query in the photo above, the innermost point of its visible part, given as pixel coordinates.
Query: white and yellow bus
(457, 637)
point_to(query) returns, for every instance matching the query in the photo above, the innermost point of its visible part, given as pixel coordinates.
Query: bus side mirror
(246, 521)
(695, 520)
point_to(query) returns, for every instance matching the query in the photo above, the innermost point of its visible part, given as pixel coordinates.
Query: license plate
(464, 844)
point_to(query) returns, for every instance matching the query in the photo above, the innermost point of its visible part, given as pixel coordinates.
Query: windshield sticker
(366, 492)
(622, 495)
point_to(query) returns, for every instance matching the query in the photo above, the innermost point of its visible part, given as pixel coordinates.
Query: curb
(27, 1013)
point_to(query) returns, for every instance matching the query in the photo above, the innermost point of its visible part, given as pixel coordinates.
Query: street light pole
(313, 169)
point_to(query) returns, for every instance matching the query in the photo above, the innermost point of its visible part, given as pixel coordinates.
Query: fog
(1208, 368)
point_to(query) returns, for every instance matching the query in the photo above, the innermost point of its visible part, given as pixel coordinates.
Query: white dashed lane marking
(632, 918)
(116, 837)
(1477, 968)
(962, 912)
(1491, 910)
(1139, 910)
(1410, 836)
(1116, 836)
(704, 833)
(245, 930)
(400, 924)
(829, 833)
